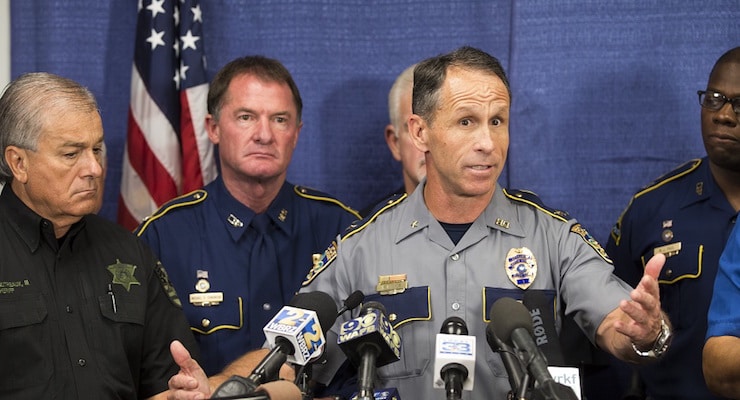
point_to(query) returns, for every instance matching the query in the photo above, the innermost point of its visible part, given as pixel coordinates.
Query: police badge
(521, 267)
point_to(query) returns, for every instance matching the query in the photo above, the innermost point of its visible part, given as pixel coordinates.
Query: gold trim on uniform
(392, 284)
(521, 267)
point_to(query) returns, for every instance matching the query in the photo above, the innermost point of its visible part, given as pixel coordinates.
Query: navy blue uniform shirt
(684, 215)
(205, 240)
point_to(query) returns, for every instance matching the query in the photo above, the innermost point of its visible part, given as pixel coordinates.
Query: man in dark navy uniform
(238, 249)
(687, 215)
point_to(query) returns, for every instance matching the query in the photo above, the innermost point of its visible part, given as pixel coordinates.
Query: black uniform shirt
(88, 316)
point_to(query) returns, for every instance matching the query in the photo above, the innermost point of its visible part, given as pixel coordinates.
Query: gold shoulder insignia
(194, 197)
(579, 230)
(314, 194)
(330, 254)
(528, 197)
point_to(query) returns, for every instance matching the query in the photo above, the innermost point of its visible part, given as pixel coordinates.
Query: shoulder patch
(330, 254)
(314, 194)
(169, 289)
(579, 230)
(185, 200)
(682, 170)
(528, 197)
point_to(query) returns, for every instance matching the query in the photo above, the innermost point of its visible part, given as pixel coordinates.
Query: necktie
(265, 293)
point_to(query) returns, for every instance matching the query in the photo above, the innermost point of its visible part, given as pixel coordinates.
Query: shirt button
(455, 306)
(267, 307)
(81, 362)
(68, 309)
(205, 322)
(455, 257)
(669, 272)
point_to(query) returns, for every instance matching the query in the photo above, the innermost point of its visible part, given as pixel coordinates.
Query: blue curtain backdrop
(604, 92)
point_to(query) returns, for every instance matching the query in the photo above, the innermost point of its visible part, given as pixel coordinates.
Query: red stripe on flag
(159, 183)
(124, 216)
(192, 177)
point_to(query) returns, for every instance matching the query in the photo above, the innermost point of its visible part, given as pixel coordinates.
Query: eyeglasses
(715, 101)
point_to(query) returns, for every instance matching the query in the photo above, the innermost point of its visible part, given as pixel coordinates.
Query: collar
(30, 226)
(499, 215)
(236, 217)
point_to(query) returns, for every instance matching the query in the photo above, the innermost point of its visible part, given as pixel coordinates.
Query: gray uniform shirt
(462, 280)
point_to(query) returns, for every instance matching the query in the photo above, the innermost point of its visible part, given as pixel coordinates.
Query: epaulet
(314, 194)
(330, 254)
(528, 197)
(533, 200)
(682, 170)
(192, 198)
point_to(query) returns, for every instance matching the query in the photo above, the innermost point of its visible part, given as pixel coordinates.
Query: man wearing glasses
(687, 214)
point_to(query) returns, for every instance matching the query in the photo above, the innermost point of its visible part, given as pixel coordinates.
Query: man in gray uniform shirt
(460, 241)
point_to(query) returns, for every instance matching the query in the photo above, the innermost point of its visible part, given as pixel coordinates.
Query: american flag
(167, 149)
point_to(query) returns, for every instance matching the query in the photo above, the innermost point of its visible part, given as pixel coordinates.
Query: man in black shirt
(86, 310)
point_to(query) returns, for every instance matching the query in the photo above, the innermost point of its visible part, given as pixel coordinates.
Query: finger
(654, 265)
(182, 357)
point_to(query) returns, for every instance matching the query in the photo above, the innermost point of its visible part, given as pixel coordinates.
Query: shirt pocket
(24, 341)
(210, 319)
(408, 312)
(677, 278)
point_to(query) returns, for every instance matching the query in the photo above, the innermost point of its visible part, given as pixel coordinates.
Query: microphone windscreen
(507, 315)
(454, 326)
(373, 304)
(281, 390)
(321, 303)
(354, 299)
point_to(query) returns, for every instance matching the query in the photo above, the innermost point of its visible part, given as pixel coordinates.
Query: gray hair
(27, 106)
(404, 82)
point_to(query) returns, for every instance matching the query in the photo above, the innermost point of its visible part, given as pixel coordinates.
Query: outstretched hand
(191, 383)
(643, 309)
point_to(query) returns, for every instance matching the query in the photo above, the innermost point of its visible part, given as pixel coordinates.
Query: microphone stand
(303, 379)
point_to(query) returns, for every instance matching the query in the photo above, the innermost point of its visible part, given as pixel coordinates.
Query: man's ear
(391, 139)
(418, 130)
(17, 159)
(212, 129)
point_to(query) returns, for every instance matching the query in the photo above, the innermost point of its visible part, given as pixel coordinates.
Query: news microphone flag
(302, 329)
(167, 151)
(458, 349)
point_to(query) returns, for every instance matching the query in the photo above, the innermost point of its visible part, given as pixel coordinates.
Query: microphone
(278, 390)
(454, 358)
(352, 301)
(543, 323)
(382, 394)
(369, 342)
(511, 361)
(514, 327)
(294, 335)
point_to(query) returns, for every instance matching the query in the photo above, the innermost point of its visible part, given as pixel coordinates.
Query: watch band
(661, 342)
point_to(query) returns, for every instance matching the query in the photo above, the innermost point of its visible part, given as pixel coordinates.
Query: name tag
(669, 249)
(206, 299)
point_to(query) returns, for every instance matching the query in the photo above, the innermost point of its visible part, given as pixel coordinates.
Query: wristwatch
(661, 343)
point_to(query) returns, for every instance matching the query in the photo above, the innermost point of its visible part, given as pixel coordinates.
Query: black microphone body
(513, 324)
(282, 333)
(511, 361)
(369, 342)
(454, 374)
